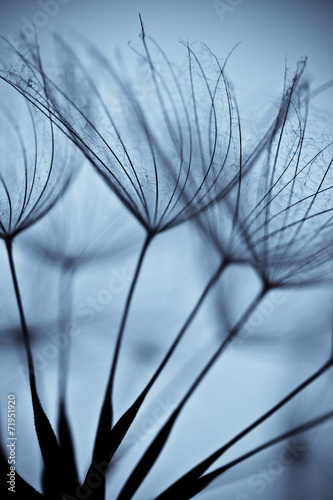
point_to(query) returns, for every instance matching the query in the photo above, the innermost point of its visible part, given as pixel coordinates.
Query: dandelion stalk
(152, 453)
(113, 439)
(47, 440)
(64, 430)
(184, 485)
(120, 429)
(205, 480)
(26, 339)
(106, 415)
(168, 162)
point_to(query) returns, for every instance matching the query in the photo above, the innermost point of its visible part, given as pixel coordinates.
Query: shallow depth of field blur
(286, 340)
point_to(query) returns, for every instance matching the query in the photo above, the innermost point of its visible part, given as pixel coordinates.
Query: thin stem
(186, 325)
(65, 301)
(154, 450)
(184, 484)
(231, 335)
(25, 332)
(204, 481)
(121, 427)
(48, 443)
(106, 415)
(126, 310)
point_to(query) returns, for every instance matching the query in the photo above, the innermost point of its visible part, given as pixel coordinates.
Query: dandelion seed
(282, 228)
(167, 154)
(34, 173)
(174, 153)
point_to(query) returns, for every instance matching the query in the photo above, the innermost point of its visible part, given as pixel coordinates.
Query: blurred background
(84, 294)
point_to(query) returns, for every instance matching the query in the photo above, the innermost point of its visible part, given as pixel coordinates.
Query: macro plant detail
(35, 173)
(173, 158)
(284, 233)
(177, 129)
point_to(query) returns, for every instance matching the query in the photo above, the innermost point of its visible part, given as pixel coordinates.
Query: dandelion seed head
(281, 220)
(166, 145)
(34, 170)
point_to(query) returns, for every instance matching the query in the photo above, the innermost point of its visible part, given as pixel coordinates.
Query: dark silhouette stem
(122, 426)
(183, 485)
(65, 301)
(126, 311)
(186, 325)
(154, 450)
(106, 415)
(25, 332)
(231, 335)
(205, 480)
(48, 443)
